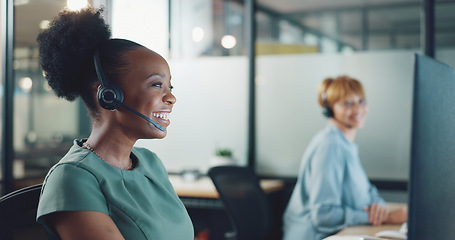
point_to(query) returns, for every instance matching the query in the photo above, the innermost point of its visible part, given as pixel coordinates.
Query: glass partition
(44, 126)
(445, 32)
(373, 43)
(201, 28)
(336, 27)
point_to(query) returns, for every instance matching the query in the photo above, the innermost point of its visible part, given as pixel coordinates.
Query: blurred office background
(262, 108)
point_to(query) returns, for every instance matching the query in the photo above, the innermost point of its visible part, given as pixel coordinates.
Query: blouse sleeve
(68, 187)
(375, 197)
(328, 213)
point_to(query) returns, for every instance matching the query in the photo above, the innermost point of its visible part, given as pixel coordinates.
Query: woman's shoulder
(72, 159)
(144, 152)
(79, 165)
(324, 145)
(148, 159)
(328, 137)
(78, 159)
(72, 167)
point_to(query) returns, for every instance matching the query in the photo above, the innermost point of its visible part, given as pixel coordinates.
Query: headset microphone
(110, 97)
(142, 116)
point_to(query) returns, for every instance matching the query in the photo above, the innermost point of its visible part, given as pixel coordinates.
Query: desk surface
(369, 230)
(204, 188)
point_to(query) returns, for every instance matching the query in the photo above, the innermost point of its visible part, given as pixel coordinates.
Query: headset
(110, 96)
(327, 111)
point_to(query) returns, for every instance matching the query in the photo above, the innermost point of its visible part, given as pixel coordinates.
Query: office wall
(288, 115)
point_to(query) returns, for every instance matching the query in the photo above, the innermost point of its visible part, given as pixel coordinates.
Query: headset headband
(99, 71)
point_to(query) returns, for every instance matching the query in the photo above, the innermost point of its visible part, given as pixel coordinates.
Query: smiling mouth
(164, 116)
(358, 119)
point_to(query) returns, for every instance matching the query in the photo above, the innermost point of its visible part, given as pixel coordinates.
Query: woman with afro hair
(104, 187)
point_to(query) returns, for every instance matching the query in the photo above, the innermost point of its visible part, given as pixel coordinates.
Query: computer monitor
(432, 172)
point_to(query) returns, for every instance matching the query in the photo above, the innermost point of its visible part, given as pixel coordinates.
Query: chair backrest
(246, 203)
(18, 214)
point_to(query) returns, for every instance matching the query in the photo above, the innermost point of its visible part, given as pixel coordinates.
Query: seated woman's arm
(397, 216)
(86, 225)
(328, 212)
(378, 214)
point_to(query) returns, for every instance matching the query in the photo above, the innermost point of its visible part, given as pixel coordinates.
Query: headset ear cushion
(328, 112)
(110, 97)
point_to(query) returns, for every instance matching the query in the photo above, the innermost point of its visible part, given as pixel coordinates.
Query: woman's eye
(348, 104)
(171, 88)
(363, 102)
(157, 85)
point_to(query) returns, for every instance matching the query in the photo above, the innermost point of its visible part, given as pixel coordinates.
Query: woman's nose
(169, 98)
(358, 106)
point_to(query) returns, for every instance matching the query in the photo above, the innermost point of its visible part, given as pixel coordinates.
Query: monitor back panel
(432, 180)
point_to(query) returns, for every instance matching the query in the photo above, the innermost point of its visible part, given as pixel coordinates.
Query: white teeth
(161, 115)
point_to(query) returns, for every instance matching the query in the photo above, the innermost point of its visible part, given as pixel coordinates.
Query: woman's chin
(161, 135)
(358, 125)
(156, 135)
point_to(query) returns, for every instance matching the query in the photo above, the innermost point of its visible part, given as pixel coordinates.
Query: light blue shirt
(332, 189)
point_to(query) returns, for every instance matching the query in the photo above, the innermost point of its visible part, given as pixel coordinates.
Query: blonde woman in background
(332, 189)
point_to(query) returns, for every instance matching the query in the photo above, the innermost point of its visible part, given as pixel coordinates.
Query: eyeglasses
(360, 103)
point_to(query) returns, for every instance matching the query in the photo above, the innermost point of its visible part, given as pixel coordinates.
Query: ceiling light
(44, 24)
(228, 41)
(198, 34)
(26, 84)
(75, 5)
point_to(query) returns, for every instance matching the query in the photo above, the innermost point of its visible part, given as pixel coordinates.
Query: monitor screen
(432, 172)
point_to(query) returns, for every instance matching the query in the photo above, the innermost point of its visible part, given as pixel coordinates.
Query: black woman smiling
(104, 187)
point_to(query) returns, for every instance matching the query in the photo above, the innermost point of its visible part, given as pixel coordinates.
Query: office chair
(246, 203)
(18, 214)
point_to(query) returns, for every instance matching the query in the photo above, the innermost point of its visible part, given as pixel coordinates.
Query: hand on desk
(378, 215)
(398, 216)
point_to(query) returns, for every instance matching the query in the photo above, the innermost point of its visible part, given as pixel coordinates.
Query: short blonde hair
(332, 90)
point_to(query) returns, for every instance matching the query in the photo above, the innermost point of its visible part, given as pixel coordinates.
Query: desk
(372, 230)
(367, 230)
(204, 188)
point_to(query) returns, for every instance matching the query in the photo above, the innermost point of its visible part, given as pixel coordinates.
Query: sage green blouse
(141, 202)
